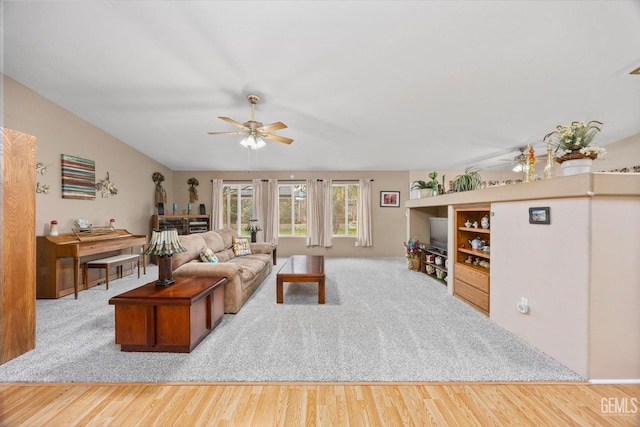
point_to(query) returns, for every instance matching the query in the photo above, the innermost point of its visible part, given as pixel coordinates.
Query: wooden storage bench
(107, 263)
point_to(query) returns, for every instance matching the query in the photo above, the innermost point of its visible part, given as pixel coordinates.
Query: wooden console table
(172, 319)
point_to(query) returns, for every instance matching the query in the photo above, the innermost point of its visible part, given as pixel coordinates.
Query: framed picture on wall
(390, 199)
(539, 216)
(78, 178)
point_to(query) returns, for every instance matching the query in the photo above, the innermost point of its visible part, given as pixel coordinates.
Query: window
(293, 210)
(345, 210)
(292, 201)
(237, 207)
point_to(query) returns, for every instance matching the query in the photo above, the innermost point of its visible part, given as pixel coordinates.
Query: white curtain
(365, 226)
(313, 212)
(327, 212)
(216, 204)
(258, 207)
(319, 215)
(272, 214)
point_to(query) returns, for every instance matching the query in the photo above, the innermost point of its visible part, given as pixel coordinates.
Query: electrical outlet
(523, 305)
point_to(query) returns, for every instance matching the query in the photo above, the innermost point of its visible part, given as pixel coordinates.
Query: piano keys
(60, 259)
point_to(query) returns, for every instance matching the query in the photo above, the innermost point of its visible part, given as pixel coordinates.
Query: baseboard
(616, 381)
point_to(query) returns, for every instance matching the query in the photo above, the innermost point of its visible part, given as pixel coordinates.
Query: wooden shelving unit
(185, 224)
(471, 281)
(434, 268)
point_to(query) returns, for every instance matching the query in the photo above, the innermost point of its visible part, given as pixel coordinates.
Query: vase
(413, 263)
(576, 166)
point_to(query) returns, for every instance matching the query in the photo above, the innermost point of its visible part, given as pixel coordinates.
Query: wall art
(539, 215)
(390, 199)
(78, 178)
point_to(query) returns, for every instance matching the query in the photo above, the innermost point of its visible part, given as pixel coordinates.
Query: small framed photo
(539, 216)
(390, 199)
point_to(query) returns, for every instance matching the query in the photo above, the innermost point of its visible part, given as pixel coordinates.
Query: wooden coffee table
(169, 319)
(301, 268)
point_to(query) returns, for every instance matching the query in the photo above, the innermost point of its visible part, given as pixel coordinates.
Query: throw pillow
(241, 247)
(207, 255)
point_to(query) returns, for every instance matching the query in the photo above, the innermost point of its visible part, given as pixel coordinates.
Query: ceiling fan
(255, 131)
(519, 161)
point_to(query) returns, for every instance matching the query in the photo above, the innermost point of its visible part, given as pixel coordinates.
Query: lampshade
(253, 142)
(164, 243)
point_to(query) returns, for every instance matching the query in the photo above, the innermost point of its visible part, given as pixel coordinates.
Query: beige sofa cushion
(214, 241)
(193, 243)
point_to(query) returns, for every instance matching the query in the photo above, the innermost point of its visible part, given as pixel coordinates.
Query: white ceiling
(380, 85)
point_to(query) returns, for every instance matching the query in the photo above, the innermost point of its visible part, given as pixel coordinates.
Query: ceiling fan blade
(233, 122)
(226, 133)
(272, 127)
(277, 138)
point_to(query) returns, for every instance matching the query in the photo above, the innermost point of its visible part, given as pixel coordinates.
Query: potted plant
(469, 180)
(412, 250)
(424, 187)
(574, 148)
(434, 183)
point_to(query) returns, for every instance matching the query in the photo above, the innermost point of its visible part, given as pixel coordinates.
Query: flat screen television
(439, 233)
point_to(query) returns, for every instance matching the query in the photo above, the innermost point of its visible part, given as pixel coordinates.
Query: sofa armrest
(206, 269)
(261, 248)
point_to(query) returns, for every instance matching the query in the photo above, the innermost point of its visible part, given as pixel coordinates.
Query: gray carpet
(381, 322)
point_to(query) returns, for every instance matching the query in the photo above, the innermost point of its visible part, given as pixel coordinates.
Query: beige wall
(614, 347)
(620, 154)
(580, 274)
(389, 224)
(57, 132)
(549, 265)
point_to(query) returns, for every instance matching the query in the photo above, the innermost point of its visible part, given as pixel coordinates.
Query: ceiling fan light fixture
(252, 142)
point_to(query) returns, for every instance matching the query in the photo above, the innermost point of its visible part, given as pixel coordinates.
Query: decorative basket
(413, 263)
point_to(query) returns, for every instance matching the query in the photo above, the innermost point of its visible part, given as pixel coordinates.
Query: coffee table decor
(164, 243)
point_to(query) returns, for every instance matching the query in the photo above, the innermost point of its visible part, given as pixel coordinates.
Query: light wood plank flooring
(319, 404)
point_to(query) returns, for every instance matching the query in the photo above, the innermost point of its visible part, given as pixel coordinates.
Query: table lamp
(164, 243)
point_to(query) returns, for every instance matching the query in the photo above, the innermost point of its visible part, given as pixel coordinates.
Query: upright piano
(60, 258)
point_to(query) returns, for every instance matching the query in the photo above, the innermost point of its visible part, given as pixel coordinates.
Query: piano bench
(107, 263)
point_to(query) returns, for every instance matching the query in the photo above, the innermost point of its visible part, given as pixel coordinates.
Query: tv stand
(434, 262)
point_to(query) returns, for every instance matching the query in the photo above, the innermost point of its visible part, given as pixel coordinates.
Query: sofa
(244, 273)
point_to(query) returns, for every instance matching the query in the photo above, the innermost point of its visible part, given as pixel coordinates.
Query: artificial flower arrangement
(253, 226)
(574, 141)
(412, 247)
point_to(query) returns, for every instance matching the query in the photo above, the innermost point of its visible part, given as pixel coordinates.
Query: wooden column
(17, 248)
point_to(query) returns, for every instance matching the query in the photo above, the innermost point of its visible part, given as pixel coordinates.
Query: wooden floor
(319, 404)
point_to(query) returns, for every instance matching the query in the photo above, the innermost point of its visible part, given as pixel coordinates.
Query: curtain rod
(295, 180)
